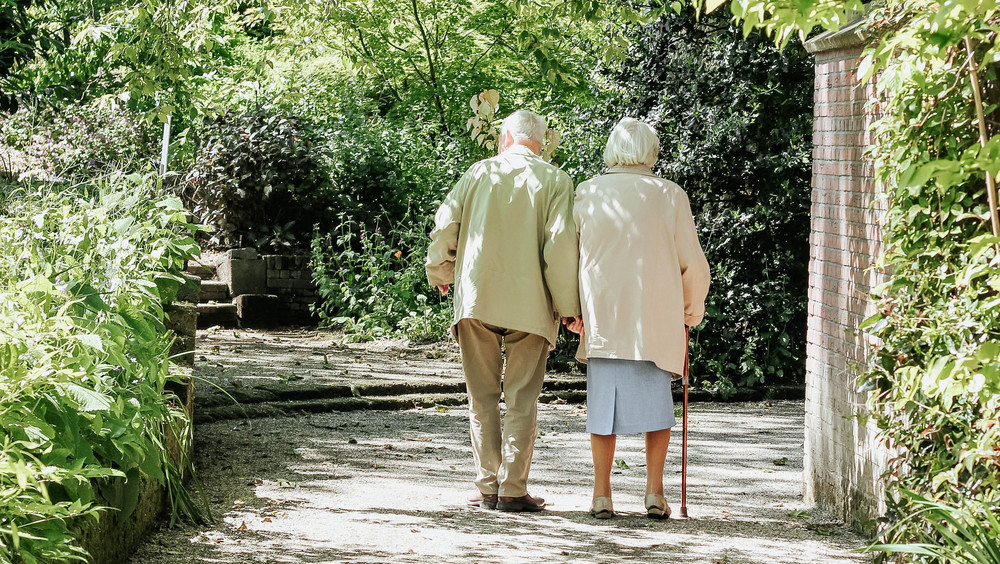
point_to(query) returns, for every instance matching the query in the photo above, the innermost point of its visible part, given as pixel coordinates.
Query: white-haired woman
(643, 280)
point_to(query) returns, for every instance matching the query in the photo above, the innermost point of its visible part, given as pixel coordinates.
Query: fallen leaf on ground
(243, 526)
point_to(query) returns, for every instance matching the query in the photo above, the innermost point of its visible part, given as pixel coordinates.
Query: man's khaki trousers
(502, 454)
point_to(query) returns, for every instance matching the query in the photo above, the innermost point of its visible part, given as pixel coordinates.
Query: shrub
(734, 118)
(83, 141)
(83, 358)
(373, 284)
(257, 181)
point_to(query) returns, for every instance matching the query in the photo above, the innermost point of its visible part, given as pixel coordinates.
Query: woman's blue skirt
(627, 396)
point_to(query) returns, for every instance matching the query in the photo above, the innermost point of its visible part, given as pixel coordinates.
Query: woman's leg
(656, 456)
(602, 448)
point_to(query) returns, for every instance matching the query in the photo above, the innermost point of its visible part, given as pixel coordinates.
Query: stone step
(214, 291)
(205, 272)
(222, 314)
(354, 403)
(190, 290)
(234, 391)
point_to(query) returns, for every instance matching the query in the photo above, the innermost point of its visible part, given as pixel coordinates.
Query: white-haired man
(505, 238)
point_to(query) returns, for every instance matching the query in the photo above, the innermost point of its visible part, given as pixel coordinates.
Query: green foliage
(785, 19)
(427, 58)
(734, 117)
(80, 141)
(954, 535)
(19, 38)
(257, 181)
(83, 358)
(373, 284)
(936, 368)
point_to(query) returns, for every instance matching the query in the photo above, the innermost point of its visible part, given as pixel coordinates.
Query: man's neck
(533, 146)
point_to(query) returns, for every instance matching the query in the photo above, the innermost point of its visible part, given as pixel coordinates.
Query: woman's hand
(574, 324)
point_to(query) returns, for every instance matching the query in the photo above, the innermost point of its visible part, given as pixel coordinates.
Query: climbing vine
(936, 370)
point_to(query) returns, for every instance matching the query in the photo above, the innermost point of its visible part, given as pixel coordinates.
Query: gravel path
(375, 486)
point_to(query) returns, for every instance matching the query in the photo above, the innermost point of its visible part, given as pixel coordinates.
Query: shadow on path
(378, 486)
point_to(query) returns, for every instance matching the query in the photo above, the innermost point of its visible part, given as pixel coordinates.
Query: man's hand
(443, 288)
(574, 324)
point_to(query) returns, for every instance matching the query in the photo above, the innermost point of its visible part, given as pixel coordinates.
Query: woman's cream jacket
(643, 274)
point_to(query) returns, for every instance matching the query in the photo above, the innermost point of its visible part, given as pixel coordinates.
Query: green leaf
(711, 5)
(85, 398)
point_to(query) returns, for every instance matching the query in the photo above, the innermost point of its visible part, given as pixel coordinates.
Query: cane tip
(684, 512)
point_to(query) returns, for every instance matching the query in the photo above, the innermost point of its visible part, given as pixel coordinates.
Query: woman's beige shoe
(601, 508)
(656, 506)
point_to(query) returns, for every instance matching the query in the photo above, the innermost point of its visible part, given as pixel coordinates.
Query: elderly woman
(643, 281)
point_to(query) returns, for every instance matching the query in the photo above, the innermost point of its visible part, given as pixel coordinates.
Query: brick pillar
(843, 461)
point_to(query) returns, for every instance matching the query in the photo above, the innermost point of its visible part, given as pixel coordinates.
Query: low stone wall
(269, 289)
(114, 537)
(290, 278)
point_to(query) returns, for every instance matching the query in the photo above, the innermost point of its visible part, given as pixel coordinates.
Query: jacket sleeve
(560, 253)
(443, 248)
(695, 274)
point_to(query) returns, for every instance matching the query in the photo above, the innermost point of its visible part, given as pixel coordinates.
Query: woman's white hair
(632, 143)
(524, 125)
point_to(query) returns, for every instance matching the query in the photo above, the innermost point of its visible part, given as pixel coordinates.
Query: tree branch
(991, 189)
(430, 66)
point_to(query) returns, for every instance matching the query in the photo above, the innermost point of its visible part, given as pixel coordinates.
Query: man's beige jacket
(643, 275)
(505, 238)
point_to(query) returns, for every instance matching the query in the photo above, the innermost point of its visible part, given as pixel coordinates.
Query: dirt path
(375, 486)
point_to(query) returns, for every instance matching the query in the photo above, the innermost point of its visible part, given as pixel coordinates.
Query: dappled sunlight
(373, 486)
(239, 361)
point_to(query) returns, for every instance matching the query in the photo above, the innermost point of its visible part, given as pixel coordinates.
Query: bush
(373, 284)
(83, 351)
(256, 180)
(734, 118)
(78, 142)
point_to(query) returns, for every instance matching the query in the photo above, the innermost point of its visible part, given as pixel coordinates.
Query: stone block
(266, 310)
(223, 314)
(182, 319)
(202, 271)
(214, 290)
(244, 276)
(242, 254)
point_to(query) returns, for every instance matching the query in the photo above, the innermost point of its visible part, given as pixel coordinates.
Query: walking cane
(684, 436)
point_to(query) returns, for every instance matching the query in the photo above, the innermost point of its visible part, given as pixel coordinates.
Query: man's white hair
(632, 143)
(523, 125)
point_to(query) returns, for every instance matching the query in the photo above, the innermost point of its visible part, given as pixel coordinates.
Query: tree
(735, 121)
(431, 57)
(150, 52)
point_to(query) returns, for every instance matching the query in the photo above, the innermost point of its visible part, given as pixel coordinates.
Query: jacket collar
(632, 169)
(518, 149)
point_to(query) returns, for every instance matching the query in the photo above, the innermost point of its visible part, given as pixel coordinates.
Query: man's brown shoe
(523, 503)
(486, 501)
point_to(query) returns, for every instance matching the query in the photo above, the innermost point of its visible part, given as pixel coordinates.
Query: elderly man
(505, 237)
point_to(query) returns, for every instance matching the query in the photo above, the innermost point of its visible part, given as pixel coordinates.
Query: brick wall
(290, 278)
(843, 461)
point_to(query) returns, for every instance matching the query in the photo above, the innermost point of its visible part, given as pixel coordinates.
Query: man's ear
(506, 140)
